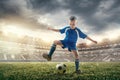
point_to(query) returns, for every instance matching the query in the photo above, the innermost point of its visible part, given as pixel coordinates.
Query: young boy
(72, 33)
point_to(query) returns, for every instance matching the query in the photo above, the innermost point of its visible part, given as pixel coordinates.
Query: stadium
(25, 52)
(28, 29)
(29, 49)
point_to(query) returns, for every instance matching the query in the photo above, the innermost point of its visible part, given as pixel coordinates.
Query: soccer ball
(61, 68)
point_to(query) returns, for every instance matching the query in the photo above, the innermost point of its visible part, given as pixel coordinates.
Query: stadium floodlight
(16, 29)
(13, 29)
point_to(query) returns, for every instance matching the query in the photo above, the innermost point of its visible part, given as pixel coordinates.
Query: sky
(97, 18)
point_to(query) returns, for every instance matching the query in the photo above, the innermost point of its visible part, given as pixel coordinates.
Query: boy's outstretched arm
(56, 30)
(91, 39)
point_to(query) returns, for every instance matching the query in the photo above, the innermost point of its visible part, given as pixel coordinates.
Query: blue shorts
(69, 45)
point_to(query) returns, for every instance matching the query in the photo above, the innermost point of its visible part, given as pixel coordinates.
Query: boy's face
(72, 24)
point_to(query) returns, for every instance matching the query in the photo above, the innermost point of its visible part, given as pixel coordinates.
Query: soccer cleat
(46, 56)
(78, 72)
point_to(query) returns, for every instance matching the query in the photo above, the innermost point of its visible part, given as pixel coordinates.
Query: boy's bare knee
(76, 57)
(76, 54)
(55, 42)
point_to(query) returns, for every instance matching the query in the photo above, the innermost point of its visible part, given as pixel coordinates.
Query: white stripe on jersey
(66, 29)
(75, 30)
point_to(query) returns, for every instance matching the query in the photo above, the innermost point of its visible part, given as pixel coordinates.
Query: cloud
(17, 12)
(93, 15)
(97, 14)
(7, 9)
(46, 6)
(107, 12)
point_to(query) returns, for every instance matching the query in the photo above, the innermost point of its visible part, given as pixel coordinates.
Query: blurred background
(24, 35)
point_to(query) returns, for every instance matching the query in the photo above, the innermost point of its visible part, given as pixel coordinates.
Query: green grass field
(47, 71)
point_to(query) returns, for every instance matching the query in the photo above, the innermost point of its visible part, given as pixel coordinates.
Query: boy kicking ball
(72, 33)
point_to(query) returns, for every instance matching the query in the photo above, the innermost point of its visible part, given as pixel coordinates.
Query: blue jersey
(72, 34)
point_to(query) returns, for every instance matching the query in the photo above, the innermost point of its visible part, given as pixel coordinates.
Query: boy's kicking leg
(53, 48)
(76, 61)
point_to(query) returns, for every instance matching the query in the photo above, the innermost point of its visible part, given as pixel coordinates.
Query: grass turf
(47, 71)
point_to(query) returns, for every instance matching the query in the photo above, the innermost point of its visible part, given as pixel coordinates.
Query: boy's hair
(73, 18)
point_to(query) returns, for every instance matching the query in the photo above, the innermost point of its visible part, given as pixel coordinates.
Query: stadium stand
(13, 51)
(18, 49)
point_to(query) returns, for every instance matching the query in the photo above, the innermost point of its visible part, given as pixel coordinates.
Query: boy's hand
(91, 40)
(95, 42)
(52, 29)
(49, 28)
